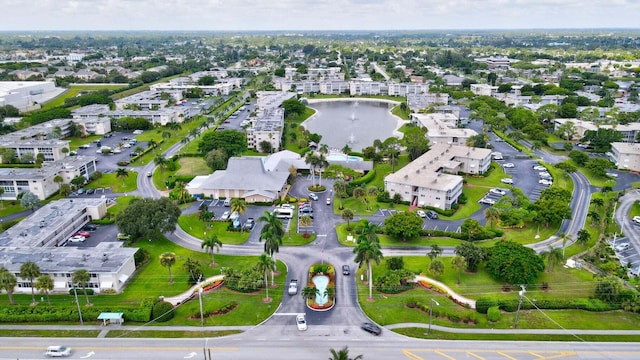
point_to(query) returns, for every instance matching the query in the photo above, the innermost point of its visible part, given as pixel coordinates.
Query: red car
(83, 233)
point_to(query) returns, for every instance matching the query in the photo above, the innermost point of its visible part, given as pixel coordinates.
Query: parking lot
(108, 163)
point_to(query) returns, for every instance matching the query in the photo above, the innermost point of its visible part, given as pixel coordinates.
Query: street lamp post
(201, 314)
(431, 313)
(521, 293)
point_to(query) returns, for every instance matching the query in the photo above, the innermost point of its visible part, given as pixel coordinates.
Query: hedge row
(487, 234)
(175, 178)
(45, 313)
(437, 311)
(367, 178)
(22, 166)
(511, 305)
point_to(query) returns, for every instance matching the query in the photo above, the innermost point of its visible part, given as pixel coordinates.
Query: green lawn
(496, 173)
(193, 166)
(74, 90)
(399, 113)
(387, 241)
(192, 225)
(635, 209)
(74, 142)
(595, 180)
(473, 193)
(121, 203)
(118, 185)
(292, 123)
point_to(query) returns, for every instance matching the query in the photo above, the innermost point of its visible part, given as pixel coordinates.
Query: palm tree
(81, 277)
(239, 205)
(553, 255)
(306, 221)
(367, 251)
(370, 230)
(321, 164)
(565, 237)
(435, 252)
(594, 215)
(265, 265)
(272, 233)
(30, 270)
(372, 193)
(343, 354)
(211, 243)
(152, 143)
(347, 215)
(311, 159)
(193, 268)
(583, 237)
(309, 292)
(166, 135)
(58, 180)
(459, 263)
(167, 260)
(597, 202)
(161, 162)
(359, 193)
(181, 191)
(492, 215)
(122, 174)
(8, 283)
(45, 283)
(339, 188)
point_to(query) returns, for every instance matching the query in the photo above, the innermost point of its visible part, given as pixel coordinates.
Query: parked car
(508, 165)
(498, 191)
(507, 181)
(301, 322)
(287, 206)
(613, 175)
(85, 146)
(346, 270)
(487, 201)
(82, 233)
(91, 191)
(432, 215)
(80, 191)
(371, 328)
(303, 204)
(545, 182)
(236, 223)
(421, 213)
(622, 247)
(539, 168)
(58, 351)
(122, 236)
(313, 197)
(89, 227)
(249, 224)
(77, 239)
(636, 219)
(234, 215)
(225, 215)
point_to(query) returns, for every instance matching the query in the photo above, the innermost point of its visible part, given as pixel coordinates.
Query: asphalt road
(631, 231)
(304, 346)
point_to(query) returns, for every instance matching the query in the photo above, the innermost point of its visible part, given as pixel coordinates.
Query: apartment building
(626, 156)
(629, 131)
(51, 149)
(404, 89)
(367, 88)
(484, 89)
(42, 236)
(432, 180)
(423, 100)
(442, 128)
(272, 99)
(40, 181)
(145, 100)
(268, 126)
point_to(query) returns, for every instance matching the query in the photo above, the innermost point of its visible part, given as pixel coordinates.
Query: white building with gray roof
(41, 238)
(267, 126)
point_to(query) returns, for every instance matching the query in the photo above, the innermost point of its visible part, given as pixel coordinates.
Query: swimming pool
(342, 157)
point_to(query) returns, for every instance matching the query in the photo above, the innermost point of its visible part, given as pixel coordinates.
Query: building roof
(626, 148)
(39, 227)
(426, 171)
(47, 169)
(244, 173)
(106, 257)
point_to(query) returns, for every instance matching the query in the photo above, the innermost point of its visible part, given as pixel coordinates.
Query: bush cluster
(163, 311)
(365, 179)
(483, 304)
(175, 178)
(493, 314)
(245, 280)
(395, 281)
(438, 311)
(486, 234)
(45, 313)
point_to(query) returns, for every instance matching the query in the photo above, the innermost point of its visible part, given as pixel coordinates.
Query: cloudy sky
(316, 14)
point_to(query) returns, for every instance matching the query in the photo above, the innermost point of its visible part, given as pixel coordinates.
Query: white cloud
(314, 14)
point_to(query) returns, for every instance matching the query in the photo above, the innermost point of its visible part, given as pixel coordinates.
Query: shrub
(162, 311)
(483, 304)
(395, 281)
(493, 314)
(81, 291)
(245, 280)
(365, 179)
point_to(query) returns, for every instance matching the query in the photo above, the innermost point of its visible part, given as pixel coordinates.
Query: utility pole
(521, 293)
(201, 314)
(78, 304)
(431, 313)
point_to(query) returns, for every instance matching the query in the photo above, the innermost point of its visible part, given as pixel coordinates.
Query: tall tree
(58, 180)
(211, 243)
(434, 252)
(168, 259)
(8, 283)
(339, 188)
(30, 270)
(583, 237)
(367, 251)
(459, 263)
(492, 214)
(239, 205)
(161, 162)
(45, 284)
(265, 265)
(343, 354)
(553, 256)
(272, 234)
(30, 201)
(347, 215)
(148, 217)
(472, 253)
(513, 263)
(81, 277)
(122, 174)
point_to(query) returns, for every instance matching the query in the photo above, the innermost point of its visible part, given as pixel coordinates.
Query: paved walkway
(185, 296)
(452, 294)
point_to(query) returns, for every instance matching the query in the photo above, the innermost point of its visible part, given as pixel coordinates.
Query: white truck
(293, 287)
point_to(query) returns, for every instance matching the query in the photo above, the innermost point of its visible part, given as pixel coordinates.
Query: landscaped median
(320, 294)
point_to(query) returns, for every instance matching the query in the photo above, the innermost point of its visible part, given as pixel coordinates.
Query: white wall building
(430, 180)
(626, 156)
(26, 95)
(267, 126)
(442, 128)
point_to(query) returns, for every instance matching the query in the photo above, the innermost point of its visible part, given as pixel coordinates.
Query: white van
(283, 213)
(58, 351)
(227, 202)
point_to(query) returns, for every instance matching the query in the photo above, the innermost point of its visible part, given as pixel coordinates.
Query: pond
(352, 122)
